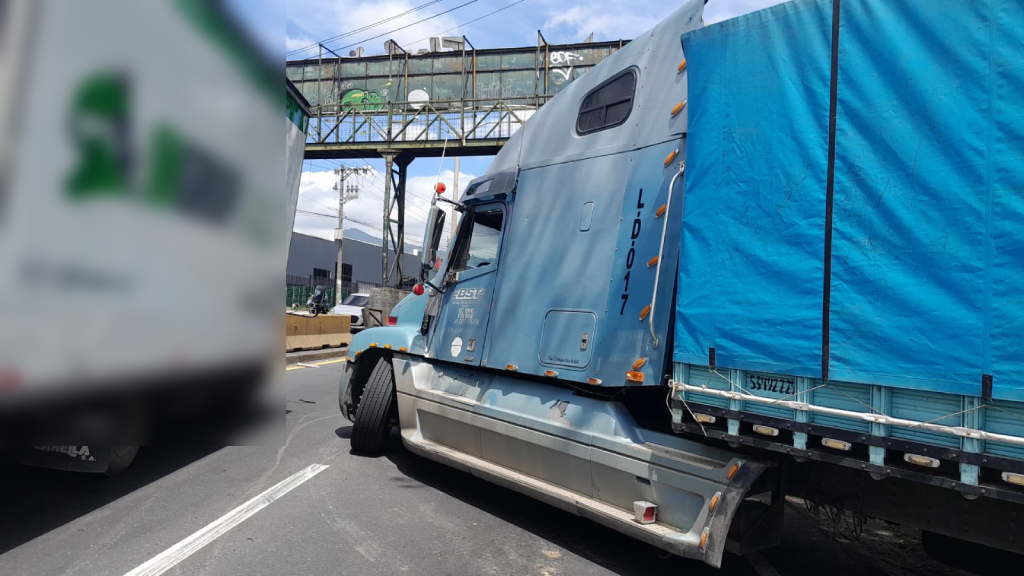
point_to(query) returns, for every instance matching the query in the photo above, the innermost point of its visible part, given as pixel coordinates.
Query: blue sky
(561, 21)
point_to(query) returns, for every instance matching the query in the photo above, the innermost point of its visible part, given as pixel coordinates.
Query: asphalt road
(393, 514)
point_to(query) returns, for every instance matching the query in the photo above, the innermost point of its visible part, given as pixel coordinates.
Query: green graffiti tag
(363, 100)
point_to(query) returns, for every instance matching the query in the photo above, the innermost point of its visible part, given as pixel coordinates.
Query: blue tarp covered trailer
(854, 216)
(893, 253)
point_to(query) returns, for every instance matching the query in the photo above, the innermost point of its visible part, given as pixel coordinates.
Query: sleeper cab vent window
(608, 105)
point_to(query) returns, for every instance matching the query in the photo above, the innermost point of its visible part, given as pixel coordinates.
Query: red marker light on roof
(418, 289)
(440, 188)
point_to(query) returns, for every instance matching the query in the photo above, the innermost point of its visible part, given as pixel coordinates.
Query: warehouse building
(313, 261)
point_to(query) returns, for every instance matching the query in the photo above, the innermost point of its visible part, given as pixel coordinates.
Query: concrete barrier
(305, 332)
(382, 302)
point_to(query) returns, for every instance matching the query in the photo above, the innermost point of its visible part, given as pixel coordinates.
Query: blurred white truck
(141, 242)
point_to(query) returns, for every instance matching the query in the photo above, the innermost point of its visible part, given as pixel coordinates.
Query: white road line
(306, 365)
(169, 558)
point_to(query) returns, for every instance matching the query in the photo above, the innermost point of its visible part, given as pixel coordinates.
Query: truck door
(465, 304)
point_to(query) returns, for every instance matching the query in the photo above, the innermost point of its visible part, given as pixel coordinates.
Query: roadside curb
(314, 355)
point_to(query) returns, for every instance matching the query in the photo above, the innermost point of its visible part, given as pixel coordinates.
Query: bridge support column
(396, 167)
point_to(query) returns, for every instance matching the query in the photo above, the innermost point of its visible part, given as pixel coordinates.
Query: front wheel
(376, 410)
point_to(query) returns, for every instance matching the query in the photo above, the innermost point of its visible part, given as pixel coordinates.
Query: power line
(407, 25)
(318, 202)
(420, 217)
(311, 213)
(379, 182)
(467, 23)
(364, 28)
(353, 221)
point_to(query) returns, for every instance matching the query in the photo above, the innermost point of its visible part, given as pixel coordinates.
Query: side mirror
(431, 240)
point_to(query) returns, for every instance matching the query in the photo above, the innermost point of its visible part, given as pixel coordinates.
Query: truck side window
(608, 105)
(483, 237)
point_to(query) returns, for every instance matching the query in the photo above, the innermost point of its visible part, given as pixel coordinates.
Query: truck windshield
(482, 249)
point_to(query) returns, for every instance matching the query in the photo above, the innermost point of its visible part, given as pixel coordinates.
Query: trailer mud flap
(94, 459)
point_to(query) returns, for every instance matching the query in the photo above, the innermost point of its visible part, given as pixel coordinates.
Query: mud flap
(93, 459)
(736, 523)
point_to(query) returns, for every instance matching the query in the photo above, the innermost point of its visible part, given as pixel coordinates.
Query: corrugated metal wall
(309, 252)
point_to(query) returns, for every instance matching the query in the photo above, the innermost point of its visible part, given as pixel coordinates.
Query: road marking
(335, 361)
(301, 365)
(169, 558)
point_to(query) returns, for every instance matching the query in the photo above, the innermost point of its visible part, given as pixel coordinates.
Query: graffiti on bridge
(364, 99)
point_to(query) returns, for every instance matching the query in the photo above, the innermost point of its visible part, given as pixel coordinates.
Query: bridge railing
(411, 122)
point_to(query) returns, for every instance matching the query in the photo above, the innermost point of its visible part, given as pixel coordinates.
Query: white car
(353, 306)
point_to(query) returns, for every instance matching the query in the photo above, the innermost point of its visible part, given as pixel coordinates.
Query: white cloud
(607, 19)
(604, 18)
(317, 194)
(292, 43)
(321, 20)
(312, 20)
(718, 10)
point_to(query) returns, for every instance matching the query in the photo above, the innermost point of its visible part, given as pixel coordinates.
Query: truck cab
(671, 369)
(510, 359)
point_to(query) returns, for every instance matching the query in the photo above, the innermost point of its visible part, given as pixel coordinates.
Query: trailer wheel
(120, 458)
(376, 410)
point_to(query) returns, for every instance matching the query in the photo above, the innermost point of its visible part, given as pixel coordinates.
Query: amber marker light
(671, 156)
(732, 471)
(714, 501)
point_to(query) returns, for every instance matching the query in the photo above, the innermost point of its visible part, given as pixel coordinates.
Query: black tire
(376, 410)
(120, 458)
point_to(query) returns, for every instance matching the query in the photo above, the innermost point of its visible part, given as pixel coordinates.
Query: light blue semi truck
(779, 255)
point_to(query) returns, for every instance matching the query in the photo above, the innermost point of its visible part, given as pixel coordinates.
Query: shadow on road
(605, 547)
(38, 500)
(807, 549)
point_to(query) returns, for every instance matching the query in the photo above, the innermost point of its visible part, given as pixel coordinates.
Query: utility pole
(344, 195)
(455, 197)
